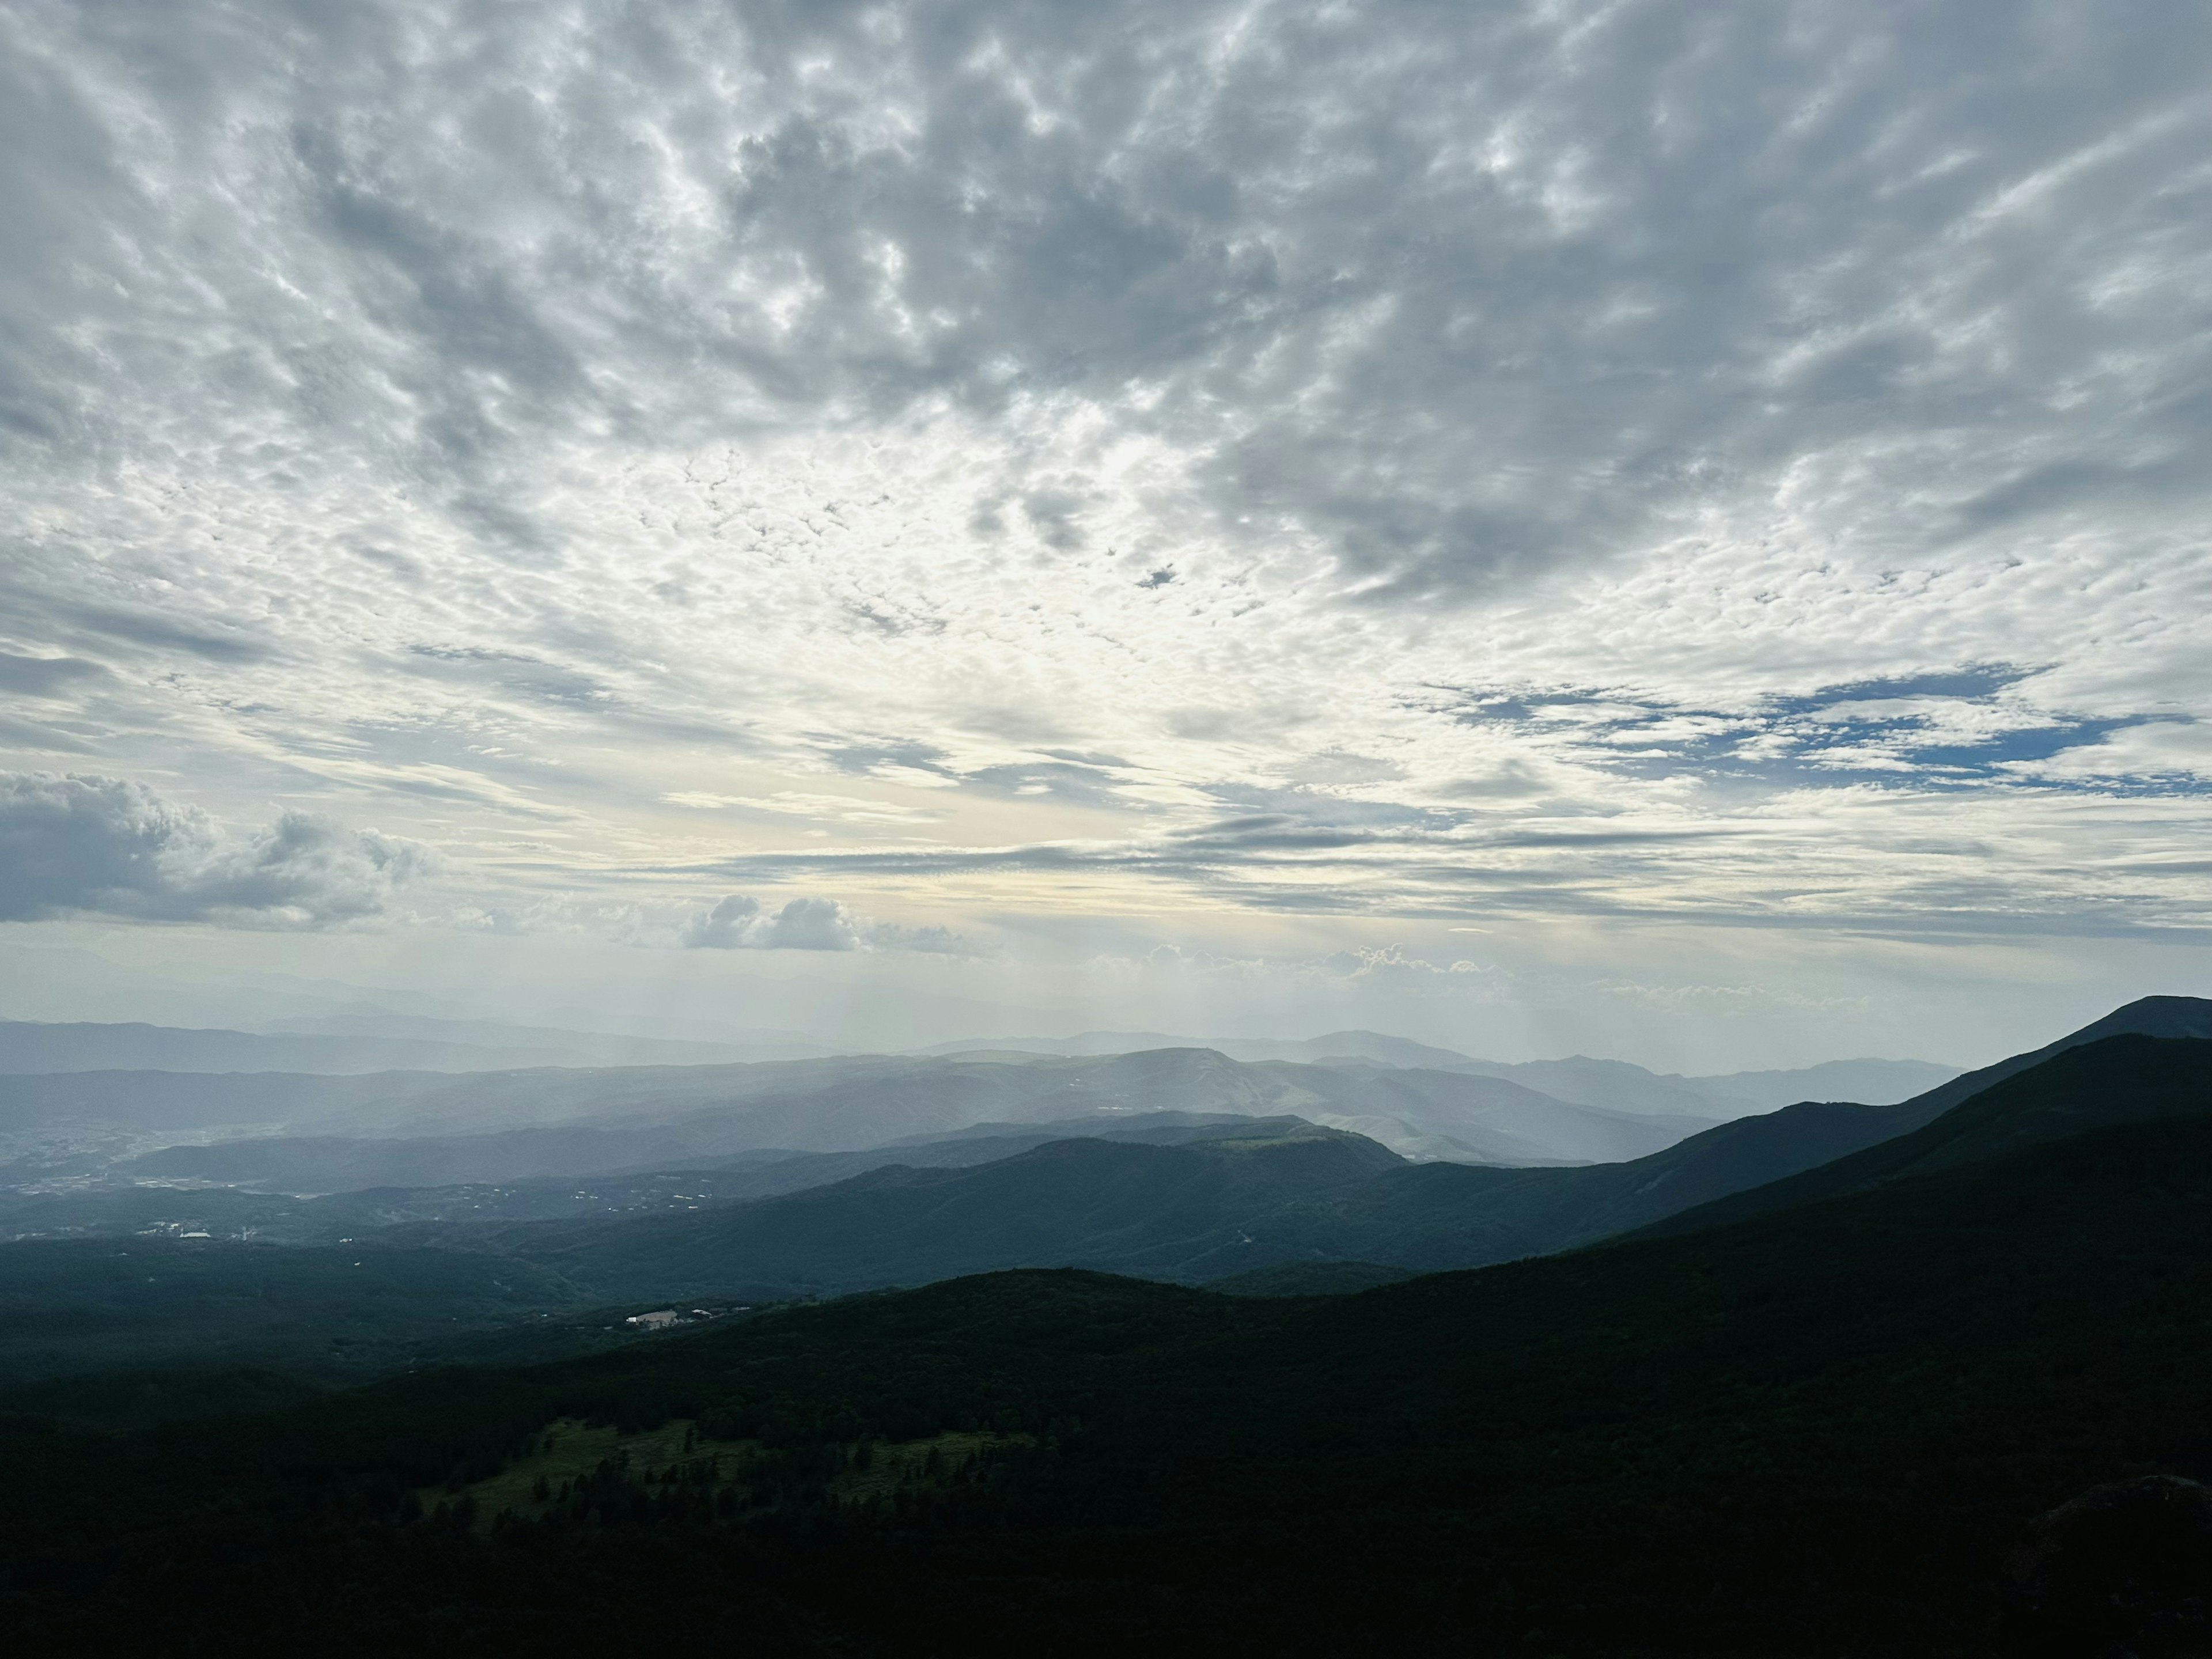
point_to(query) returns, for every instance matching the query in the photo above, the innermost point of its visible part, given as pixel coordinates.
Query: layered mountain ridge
(1878, 1374)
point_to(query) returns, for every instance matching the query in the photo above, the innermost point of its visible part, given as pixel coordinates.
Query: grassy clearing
(887, 1466)
(569, 1452)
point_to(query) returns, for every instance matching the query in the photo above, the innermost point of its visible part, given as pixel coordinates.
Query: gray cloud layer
(1659, 457)
(74, 844)
(1462, 290)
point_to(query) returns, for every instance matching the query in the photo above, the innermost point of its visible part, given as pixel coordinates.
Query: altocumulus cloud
(71, 844)
(1061, 406)
(1633, 259)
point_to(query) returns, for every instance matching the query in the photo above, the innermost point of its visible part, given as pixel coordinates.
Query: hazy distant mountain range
(386, 1100)
(277, 1117)
(1210, 1205)
(1197, 1203)
(817, 1176)
(1337, 1045)
(424, 1127)
(351, 1044)
(825, 1174)
(1612, 1084)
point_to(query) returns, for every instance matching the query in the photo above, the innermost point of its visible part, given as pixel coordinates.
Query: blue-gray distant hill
(1609, 1084)
(1296, 1194)
(329, 1048)
(1374, 1046)
(1265, 1200)
(424, 1128)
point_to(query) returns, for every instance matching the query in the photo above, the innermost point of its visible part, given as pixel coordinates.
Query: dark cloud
(1467, 291)
(532, 678)
(214, 642)
(72, 843)
(45, 676)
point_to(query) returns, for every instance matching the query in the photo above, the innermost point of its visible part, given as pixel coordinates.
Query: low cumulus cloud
(740, 922)
(74, 843)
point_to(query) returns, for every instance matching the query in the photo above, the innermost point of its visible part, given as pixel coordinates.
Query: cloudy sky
(1664, 528)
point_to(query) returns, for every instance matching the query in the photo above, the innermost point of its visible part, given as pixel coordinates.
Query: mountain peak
(2156, 1016)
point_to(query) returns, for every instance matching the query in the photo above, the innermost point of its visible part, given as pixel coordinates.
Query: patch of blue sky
(1975, 682)
(1957, 728)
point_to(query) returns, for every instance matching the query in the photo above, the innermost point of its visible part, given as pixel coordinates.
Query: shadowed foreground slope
(1819, 1431)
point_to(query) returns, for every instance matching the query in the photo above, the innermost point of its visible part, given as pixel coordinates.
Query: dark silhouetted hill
(1824, 1430)
(2105, 1082)
(2156, 1016)
(1193, 1212)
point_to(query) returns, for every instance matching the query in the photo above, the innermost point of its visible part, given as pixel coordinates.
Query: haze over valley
(768, 1180)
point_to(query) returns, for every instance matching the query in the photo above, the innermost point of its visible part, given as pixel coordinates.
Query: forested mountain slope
(1247, 1200)
(1190, 1212)
(1819, 1432)
(2155, 1017)
(2109, 1081)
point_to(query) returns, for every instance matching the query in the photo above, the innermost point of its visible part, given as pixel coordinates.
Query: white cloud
(739, 923)
(2158, 749)
(797, 802)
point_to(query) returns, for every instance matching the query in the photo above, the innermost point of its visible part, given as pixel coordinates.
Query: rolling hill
(1192, 1197)
(428, 1129)
(1187, 1212)
(1612, 1084)
(2157, 1017)
(1821, 1431)
(2098, 1084)
(351, 1048)
(1057, 1195)
(1282, 1193)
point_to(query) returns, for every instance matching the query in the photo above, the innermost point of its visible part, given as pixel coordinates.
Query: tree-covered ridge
(1818, 1430)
